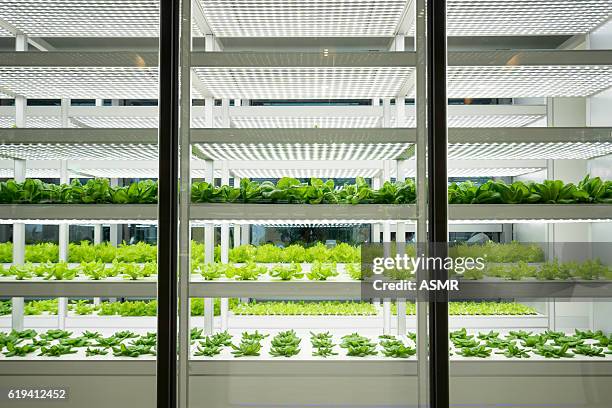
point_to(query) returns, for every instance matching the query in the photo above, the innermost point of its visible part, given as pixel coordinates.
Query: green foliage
(354, 270)
(321, 271)
(42, 252)
(475, 351)
(513, 351)
(56, 334)
(250, 345)
(589, 190)
(287, 272)
(396, 348)
(132, 351)
(56, 350)
(358, 346)
(249, 271)
(550, 351)
(285, 344)
(211, 271)
(90, 352)
(316, 191)
(322, 344)
(13, 350)
(296, 308)
(589, 350)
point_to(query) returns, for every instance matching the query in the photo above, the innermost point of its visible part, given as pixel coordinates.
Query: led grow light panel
(304, 83)
(527, 81)
(528, 151)
(132, 121)
(303, 18)
(305, 173)
(141, 173)
(31, 173)
(79, 151)
(33, 122)
(476, 121)
(81, 82)
(315, 151)
(306, 122)
(483, 172)
(75, 18)
(525, 17)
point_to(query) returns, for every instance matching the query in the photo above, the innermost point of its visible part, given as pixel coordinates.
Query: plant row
(267, 253)
(517, 344)
(591, 269)
(588, 190)
(316, 191)
(143, 252)
(91, 270)
(523, 344)
(134, 308)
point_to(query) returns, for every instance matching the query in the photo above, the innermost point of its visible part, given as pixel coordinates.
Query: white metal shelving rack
(238, 140)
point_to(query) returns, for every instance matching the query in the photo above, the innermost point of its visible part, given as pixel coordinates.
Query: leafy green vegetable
(56, 350)
(476, 351)
(513, 351)
(396, 348)
(95, 352)
(322, 344)
(321, 271)
(589, 350)
(285, 344)
(133, 350)
(358, 346)
(549, 351)
(287, 272)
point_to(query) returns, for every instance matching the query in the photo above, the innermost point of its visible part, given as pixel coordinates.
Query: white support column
(375, 233)
(386, 301)
(21, 44)
(386, 122)
(386, 227)
(225, 116)
(64, 112)
(17, 303)
(225, 230)
(237, 227)
(64, 238)
(97, 240)
(99, 102)
(209, 247)
(114, 228)
(245, 234)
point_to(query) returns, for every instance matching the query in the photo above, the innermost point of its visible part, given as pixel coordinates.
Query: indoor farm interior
(306, 142)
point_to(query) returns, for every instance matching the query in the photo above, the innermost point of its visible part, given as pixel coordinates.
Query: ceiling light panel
(132, 121)
(527, 81)
(304, 83)
(306, 122)
(32, 173)
(81, 82)
(483, 172)
(305, 173)
(315, 151)
(525, 17)
(303, 18)
(117, 173)
(528, 151)
(33, 122)
(80, 151)
(475, 121)
(77, 18)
